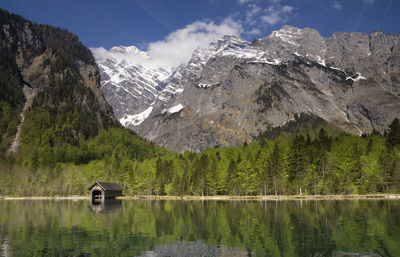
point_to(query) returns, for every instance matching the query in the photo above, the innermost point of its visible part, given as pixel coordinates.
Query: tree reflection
(262, 228)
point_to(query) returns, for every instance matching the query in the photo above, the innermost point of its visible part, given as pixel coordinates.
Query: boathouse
(103, 190)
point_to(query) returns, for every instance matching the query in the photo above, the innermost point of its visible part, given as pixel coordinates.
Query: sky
(172, 29)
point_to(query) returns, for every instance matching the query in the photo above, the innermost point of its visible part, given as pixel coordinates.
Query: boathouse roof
(107, 186)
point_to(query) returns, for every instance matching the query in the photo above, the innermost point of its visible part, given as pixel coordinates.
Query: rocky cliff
(130, 88)
(233, 90)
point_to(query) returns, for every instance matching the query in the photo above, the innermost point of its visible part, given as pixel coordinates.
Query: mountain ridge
(234, 90)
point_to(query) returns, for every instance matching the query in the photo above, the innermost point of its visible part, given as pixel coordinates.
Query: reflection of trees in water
(4, 247)
(349, 254)
(198, 248)
(105, 205)
(267, 228)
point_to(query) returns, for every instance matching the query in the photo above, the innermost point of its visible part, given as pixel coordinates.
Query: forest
(289, 165)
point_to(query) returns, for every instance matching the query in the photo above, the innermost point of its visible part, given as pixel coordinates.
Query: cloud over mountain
(178, 46)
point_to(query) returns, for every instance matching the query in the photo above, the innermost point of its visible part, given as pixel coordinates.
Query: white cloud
(244, 1)
(130, 54)
(337, 5)
(258, 16)
(178, 46)
(271, 19)
(254, 32)
(253, 9)
(276, 14)
(287, 9)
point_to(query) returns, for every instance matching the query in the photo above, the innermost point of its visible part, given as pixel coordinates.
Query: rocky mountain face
(130, 89)
(48, 73)
(233, 90)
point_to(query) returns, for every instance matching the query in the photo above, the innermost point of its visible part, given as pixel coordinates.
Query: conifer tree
(393, 137)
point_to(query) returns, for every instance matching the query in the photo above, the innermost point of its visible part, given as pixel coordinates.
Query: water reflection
(105, 205)
(198, 248)
(195, 228)
(4, 248)
(347, 254)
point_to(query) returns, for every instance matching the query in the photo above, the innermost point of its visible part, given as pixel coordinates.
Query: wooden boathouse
(103, 190)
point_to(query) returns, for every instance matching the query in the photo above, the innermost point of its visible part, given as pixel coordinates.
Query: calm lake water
(200, 228)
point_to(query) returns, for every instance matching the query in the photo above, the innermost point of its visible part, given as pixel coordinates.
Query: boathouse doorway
(102, 190)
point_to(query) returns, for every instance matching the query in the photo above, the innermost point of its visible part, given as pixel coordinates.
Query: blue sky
(106, 23)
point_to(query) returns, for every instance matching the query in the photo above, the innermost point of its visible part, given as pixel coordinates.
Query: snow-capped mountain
(130, 88)
(233, 90)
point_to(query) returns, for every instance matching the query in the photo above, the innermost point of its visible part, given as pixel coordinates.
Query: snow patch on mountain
(204, 85)
(354, 78)
(288, 34)
(267, 61)
(175, 109)
(178, 91)
(136, 119)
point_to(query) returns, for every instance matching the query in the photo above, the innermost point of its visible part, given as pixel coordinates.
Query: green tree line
(342, 164)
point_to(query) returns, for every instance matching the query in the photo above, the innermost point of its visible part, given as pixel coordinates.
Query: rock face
(29, 94)
(35, 51)
(50, 71)
(130, 89)
(232, 91)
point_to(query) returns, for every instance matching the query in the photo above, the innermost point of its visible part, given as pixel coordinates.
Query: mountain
(234, 90)
(118, 77)
(50, 88)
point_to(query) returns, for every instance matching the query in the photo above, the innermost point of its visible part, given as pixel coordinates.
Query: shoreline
(264, 197)
(216, 198)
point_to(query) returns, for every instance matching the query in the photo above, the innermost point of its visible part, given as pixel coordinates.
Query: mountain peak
(228, 41)
(125, 49)
(291, 29)
(288, 32)
(232, 38)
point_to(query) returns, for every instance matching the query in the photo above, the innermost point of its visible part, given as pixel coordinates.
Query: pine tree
(275, 166)
(393, 137)
(297, 162)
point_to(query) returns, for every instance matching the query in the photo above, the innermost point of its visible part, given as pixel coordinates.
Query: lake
(200, 228)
